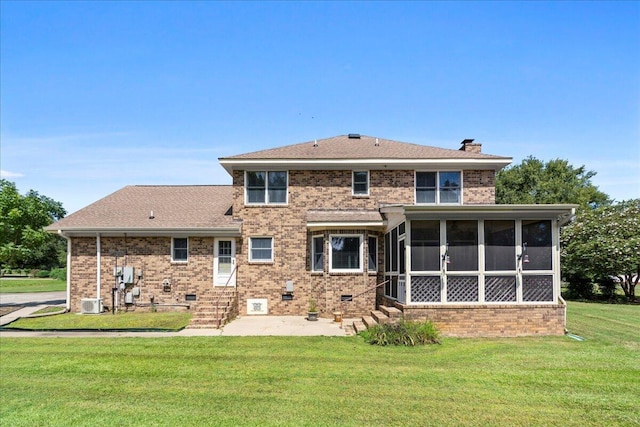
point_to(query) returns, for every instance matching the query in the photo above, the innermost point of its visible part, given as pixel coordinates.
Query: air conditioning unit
(91, 305)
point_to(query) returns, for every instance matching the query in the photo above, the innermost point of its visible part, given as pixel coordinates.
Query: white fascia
(362, 164)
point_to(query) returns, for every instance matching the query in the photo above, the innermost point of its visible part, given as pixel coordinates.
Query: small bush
(405, 333)
(579, 286)
(58, 273)
(42, 274)
(607, 287)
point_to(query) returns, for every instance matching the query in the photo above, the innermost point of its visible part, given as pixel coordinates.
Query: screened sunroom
(482, 254)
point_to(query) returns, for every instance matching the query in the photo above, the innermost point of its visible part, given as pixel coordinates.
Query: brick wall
(287, 225)
(479, 187)
(490, 320)
(152, 255)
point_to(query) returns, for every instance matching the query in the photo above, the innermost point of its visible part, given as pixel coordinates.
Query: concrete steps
(213, 310)
(381, 316)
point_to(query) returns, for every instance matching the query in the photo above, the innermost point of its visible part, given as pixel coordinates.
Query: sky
(96, 95)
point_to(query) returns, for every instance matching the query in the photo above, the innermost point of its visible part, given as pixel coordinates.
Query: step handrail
(356, 296)
(222, 293)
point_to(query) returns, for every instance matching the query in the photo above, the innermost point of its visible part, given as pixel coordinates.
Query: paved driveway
(34, 298)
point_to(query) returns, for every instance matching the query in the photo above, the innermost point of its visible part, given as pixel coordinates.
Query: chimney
(469, 146)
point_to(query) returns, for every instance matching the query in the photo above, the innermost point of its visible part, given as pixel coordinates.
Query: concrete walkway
(242, 326)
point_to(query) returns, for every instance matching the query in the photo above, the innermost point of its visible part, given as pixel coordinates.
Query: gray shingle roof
(342, 147)
(174, 207)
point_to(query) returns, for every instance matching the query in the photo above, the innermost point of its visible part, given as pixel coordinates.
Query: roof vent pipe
(377, 143)
(315, 143)
(151, 216)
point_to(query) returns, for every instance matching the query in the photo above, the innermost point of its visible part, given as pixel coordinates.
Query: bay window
(345, 253)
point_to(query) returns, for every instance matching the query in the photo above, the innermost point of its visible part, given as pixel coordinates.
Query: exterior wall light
(524, 257)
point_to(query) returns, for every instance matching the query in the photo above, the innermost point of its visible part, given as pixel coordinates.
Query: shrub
(607, 287)
(42, 274)
(406, 333)
(579, 286)
(58, 273)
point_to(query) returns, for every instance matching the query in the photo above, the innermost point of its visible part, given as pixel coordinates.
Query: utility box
(128, 298)
(289, 285)
(127, 275)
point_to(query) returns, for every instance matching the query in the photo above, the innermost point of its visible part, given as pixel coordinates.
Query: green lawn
(31, 285)
(166, 320)
(299, 381)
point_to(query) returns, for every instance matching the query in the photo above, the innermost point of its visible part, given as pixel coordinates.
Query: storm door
(224, 262)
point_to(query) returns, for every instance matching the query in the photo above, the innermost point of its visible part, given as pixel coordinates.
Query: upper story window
(266, 187)
(179, 249)
(438, 187)
(360, 183)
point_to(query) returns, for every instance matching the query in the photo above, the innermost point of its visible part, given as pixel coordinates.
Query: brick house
(353, 222)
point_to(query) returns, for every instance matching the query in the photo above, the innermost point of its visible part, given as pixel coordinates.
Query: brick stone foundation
(489, 320)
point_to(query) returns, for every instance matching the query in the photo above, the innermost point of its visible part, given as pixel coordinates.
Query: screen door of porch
(224, 262)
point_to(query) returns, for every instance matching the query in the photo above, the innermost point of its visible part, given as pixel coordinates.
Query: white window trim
(266, 189)
(437, 202)
(179, 261)
(353, 183)
(313, 253)
(260, 261)
(345, 270)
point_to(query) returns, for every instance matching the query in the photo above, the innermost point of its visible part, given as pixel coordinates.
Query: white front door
(224, 262)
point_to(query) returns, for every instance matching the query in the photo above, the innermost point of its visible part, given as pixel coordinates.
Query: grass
(31, 285)
(49, 309)
(167, 320)
(304, 381)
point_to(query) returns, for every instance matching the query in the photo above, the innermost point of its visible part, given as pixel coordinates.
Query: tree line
(600, 247)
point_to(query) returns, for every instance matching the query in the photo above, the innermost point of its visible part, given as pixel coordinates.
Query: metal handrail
(222, 293)
(356, 296)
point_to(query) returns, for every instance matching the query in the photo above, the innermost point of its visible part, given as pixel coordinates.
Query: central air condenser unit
(91, 305)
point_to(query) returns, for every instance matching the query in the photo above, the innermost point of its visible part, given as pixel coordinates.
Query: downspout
(61, 234)
(98, 261)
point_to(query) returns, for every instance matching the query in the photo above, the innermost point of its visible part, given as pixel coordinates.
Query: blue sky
(99, 95)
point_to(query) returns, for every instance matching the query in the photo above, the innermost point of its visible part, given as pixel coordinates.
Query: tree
(555, 181)
(605, 242)
(23, 241)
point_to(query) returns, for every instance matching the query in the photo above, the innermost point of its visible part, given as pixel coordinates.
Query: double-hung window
(372, 244)
(345, 253)
(438, 187)
(266, 187)
(179, 249)
(360, 183)
(317, 258)
(261, 249)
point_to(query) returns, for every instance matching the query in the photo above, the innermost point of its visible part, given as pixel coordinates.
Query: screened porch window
(500, 245)
(462, 245)
(425, 245)
(536, 238)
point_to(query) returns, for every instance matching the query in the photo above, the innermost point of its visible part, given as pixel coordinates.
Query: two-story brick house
(352, 222)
